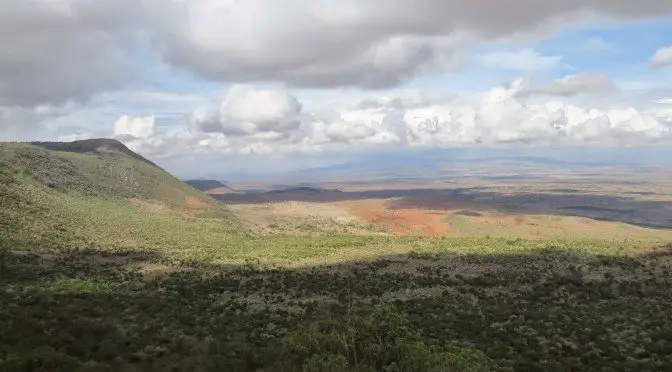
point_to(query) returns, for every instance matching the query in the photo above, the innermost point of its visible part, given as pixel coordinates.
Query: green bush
(370, 339)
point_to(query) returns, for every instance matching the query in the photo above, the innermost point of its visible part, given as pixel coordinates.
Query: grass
(90, 281)
(547, 227)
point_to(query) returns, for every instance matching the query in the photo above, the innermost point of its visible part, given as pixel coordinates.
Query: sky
(205, 86)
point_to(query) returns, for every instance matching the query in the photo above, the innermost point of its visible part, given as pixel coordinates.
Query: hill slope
(84, 191)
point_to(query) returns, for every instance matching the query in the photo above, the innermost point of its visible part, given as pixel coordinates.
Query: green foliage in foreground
(370, 339)
(551, 310)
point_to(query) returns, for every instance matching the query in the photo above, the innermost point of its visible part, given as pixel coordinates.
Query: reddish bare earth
(532, 211)
(410, 221)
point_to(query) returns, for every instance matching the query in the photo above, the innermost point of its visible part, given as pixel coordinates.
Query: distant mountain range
(446, 164)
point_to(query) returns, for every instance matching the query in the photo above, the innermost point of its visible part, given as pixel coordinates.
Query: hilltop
(92, 146)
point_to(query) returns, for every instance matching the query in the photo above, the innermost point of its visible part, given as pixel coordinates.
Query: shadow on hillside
(524, 311)
(625, 209)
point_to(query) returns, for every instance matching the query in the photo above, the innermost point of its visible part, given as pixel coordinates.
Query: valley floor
(383, 216)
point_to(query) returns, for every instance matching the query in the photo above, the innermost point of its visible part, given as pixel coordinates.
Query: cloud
(343, 131)
(265, 108)
(571, 85)
(500, 116)
(375, 43)
(76, 136)
(246, 111)
(494, 118)
(135, 127)
(662, 57)
(22, 123)
(56, 51)
(523, 60)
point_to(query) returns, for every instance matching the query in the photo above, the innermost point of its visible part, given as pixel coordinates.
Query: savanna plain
(109, 263)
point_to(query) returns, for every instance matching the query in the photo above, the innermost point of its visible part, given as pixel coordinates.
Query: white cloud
(76, 136)
(137, 127)
(246, 111)
(264, 108)
(344, 131)
(497, 117)
(662, 57)
(522, 60)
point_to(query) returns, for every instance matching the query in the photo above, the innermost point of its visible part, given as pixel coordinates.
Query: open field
(533, 210)
(107, 263)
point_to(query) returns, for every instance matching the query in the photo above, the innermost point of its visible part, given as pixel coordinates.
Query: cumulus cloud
(246, 111)
(343, 131)
(135, 127)
(498, 117)
(662, 57)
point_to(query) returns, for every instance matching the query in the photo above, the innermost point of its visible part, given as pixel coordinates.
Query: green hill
(109, 263)
(91, 192)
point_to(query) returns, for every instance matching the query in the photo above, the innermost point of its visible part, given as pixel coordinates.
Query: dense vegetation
(93, 278)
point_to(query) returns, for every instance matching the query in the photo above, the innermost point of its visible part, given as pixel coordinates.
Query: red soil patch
(408, 221)
(193, 205)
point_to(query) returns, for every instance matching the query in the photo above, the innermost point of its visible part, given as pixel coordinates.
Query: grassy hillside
(108, 263)
(94, 196)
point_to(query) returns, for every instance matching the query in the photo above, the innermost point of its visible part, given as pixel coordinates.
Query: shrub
(370, 339)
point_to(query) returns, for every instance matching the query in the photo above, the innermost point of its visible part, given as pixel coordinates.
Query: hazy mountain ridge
(210, 186)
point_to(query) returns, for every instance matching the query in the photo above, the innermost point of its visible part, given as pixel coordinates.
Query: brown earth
(410, 221)
(532, 210)
(192, 206)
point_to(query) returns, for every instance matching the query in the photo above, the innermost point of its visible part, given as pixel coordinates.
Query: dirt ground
(459, 219)
(409, 221)
(558, 206)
